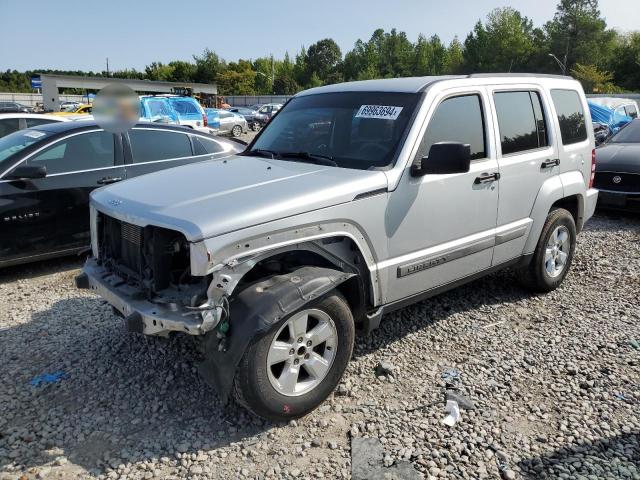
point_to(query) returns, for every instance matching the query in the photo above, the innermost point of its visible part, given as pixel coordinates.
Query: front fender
(255, 311)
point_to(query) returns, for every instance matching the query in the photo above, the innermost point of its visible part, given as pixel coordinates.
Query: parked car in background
(83, 109)
(231, 123)
(358, 199)
(265, 112)
(621, 106)
(618, 169)
(48, 171)
(14, 107)
(157, 110)
(12, 122)
(69, 106)
(249, 115)
(190, 112)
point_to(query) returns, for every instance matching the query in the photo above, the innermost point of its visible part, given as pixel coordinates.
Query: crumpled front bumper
(142, 315)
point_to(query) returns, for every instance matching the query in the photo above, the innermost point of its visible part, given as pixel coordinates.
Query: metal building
(51, 84)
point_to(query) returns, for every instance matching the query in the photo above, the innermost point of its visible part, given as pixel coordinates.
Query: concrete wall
(30, 99)
(246, 100)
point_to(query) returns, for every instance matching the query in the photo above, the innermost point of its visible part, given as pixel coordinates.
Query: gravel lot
(555, 380)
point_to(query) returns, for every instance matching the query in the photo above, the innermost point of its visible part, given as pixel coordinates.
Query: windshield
(629, 134)
(359, 130)
(17, 141)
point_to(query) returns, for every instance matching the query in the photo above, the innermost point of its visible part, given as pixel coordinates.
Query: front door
(441, 228)
(51, 214)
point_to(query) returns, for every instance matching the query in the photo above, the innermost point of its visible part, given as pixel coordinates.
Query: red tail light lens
(593, 168)
(205, 122)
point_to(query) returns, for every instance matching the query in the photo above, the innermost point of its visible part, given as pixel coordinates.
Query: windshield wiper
(310, 157)
(264, 153)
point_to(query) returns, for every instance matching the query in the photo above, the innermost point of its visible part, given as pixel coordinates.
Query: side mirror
(25, 172)
(444, 157)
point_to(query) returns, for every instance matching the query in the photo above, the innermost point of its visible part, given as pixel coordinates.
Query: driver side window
(457, 119)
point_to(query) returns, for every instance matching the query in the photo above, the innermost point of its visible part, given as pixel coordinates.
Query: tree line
(576, 41)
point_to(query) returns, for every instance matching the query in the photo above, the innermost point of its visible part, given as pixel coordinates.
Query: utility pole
(273, 76)
(107, 66)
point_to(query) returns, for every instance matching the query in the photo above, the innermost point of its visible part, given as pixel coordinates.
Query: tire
(544, 274)
(255, 127)
(236, 131)
(257, 383)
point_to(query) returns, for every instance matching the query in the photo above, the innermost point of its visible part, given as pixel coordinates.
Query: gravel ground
(555, 380)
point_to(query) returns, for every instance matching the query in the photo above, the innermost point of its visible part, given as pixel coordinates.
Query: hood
(210, 198)
(618, 157)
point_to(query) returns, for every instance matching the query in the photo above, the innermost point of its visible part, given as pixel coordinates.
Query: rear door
(51, 214)
(527, 157)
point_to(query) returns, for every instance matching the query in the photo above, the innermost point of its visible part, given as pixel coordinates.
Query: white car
(12, 122)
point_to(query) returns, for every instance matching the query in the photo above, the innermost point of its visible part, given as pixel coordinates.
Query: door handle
(551, 163)
(487, 177)
(108, 180)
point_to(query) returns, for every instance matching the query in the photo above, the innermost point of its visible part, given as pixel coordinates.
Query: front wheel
(292, 369)
(553, 255)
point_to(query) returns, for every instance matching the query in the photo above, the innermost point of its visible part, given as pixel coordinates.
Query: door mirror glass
(28, 172)
(444, 158)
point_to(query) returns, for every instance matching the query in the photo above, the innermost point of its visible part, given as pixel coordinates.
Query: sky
(81, 34)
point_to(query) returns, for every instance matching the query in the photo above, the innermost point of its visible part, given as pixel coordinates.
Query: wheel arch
(565, 191)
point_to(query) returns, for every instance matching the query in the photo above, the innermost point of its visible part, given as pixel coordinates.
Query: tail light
(205, 122)
(593, 168)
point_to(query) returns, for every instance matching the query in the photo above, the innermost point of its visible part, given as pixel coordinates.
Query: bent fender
(258, 309)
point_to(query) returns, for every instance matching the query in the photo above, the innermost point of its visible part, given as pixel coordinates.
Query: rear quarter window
(568, 105)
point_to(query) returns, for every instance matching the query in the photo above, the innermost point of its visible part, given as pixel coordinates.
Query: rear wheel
(236, 131)
(291, 370)
(553, 255)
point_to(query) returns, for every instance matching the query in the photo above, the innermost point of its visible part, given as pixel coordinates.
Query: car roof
(419, 84)
(79, 125)
(59, 118)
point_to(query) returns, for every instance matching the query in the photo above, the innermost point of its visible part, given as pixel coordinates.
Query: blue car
(190, 112)
(157, 109)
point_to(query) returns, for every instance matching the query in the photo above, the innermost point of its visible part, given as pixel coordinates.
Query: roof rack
(537, 75)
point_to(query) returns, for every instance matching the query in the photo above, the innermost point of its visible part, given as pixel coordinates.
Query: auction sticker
(33, 134)
(383, 112)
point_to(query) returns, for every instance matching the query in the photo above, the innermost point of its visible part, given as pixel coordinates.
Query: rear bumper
(619, 200)
(591, 199)
(142, 315)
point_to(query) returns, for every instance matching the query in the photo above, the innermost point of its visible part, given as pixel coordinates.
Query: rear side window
(85, 151)
(185, 107)
(9, 125)
(203, 146)
(152, 145)
(521, 121)
(457, 119)
(631, 111)
(570, 116)
(34, 122)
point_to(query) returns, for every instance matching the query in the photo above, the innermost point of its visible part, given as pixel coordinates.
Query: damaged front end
(145, 274)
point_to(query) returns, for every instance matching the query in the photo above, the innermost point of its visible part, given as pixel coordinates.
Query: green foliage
(625, 61)
(594, 80)
(506, 41)
(578, 33)
(503, 44)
